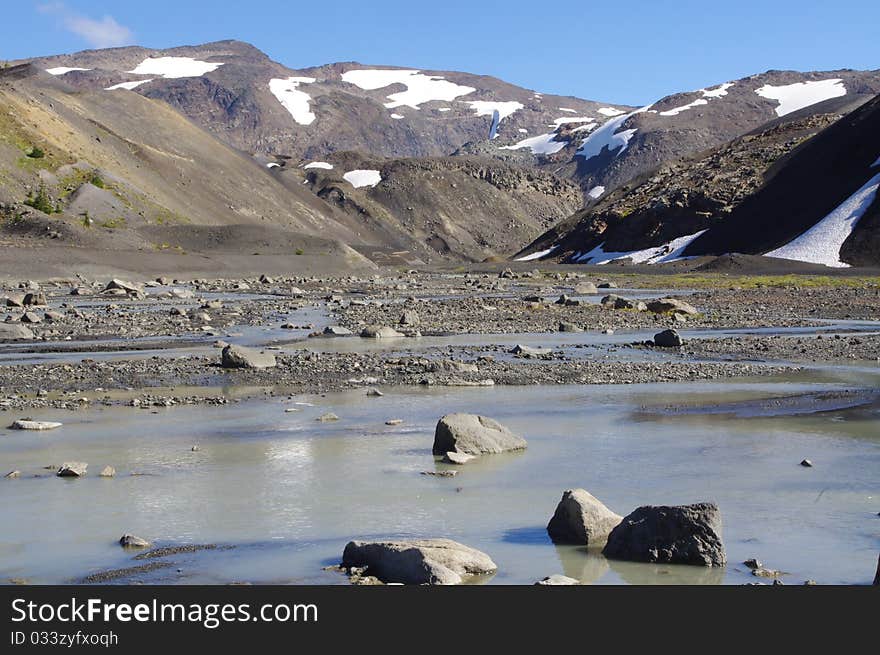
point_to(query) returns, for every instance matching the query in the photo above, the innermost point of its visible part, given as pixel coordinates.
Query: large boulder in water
(418, 561)
(474, 435)
(687, 534)
(668, 339)
(581, 519)
(233, 356)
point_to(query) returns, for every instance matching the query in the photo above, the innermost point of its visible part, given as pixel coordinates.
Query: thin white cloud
(99, 33)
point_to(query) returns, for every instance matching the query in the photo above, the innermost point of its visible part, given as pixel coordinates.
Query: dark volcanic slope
(680, 198)
(816, 179)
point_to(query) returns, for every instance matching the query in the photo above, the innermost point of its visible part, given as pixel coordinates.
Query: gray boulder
(569, 327)
(380, 332)
(233, 356)
(586, 289)
(619, 302)
(474, 435)
(10, 331)
(128, 287)
(72, 470)
(337, 331)
(29, 424)
(35, 299)
(31, 317)
(418, 561)
(529, 352)
(582, 519)
(667, 305)
(668, 339)
(410, 318)
(687, 534)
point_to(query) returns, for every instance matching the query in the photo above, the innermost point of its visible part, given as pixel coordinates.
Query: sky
(627, 53)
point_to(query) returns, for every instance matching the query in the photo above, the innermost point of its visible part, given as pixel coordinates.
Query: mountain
(762, 193)
(116, 171)
(238, 93)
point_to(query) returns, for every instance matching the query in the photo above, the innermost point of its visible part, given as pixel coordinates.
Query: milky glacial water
(287, 492)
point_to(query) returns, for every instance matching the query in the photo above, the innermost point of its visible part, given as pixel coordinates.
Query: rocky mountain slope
(236, 92)
(123, 172)
(752, 195)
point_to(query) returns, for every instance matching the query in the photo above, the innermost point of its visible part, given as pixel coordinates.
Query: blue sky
(633, 52)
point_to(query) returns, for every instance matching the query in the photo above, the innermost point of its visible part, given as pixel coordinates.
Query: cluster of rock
(688, 534)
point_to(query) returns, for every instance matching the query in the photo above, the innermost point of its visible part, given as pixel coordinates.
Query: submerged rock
(474, 435)
(234, 356)
(557, 580)
(581, 519)
(108, 472)
(132, 541)
(72, 469)
(418, 561)
(687, 534)
(28, 424)
(337, 331)
(453, 457)
(528, 352)
(380, 332)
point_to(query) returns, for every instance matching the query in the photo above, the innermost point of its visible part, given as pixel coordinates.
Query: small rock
(132, 541)
(27, 424)
(754, 564)
(410, 318)
(72, 469)
(453, 457)
(441, 474)
(337, 331)
(806, 463)
(394, 421)
(380, 332)
(558, 580)
(13, 475)
(326, 418)
(108, 472)
(569, 327)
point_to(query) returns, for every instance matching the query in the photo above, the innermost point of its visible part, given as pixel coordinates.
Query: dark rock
(668, 339)
(688, 534)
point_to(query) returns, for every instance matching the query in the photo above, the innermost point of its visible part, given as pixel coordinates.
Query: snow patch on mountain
(608, 137)
(708, 94)
(128, 85)
(611, 112)
(420, 88)
(718, 91)
(570, 111)
(559, 122)
(876, 163)
(542, 144)
(675, 112)
(596, 192)
(64, 70)
(821, 243)
(497, 110)
(319, 164)
(536, 255)
(397, 117)
(175, 67)
(668, 252)
(363, 178)
(792, 97)
(292, 99)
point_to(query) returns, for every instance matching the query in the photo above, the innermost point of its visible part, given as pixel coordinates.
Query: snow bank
(876, 163)
(821, 243)
(611, 112)
(596, 192)
(570, 111)
(128, 85)
(361, 178)
(419, 88)
(536, 255)
(539, 145)
(718, 91)
(292, 99)
(272, 164)
(608, 137)
(580, 119)
(319, 164)
(792, 97)
(397, 117)
(175, 67)
(668, 252)
(497, 110)
(63, 70)
(690, 105)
